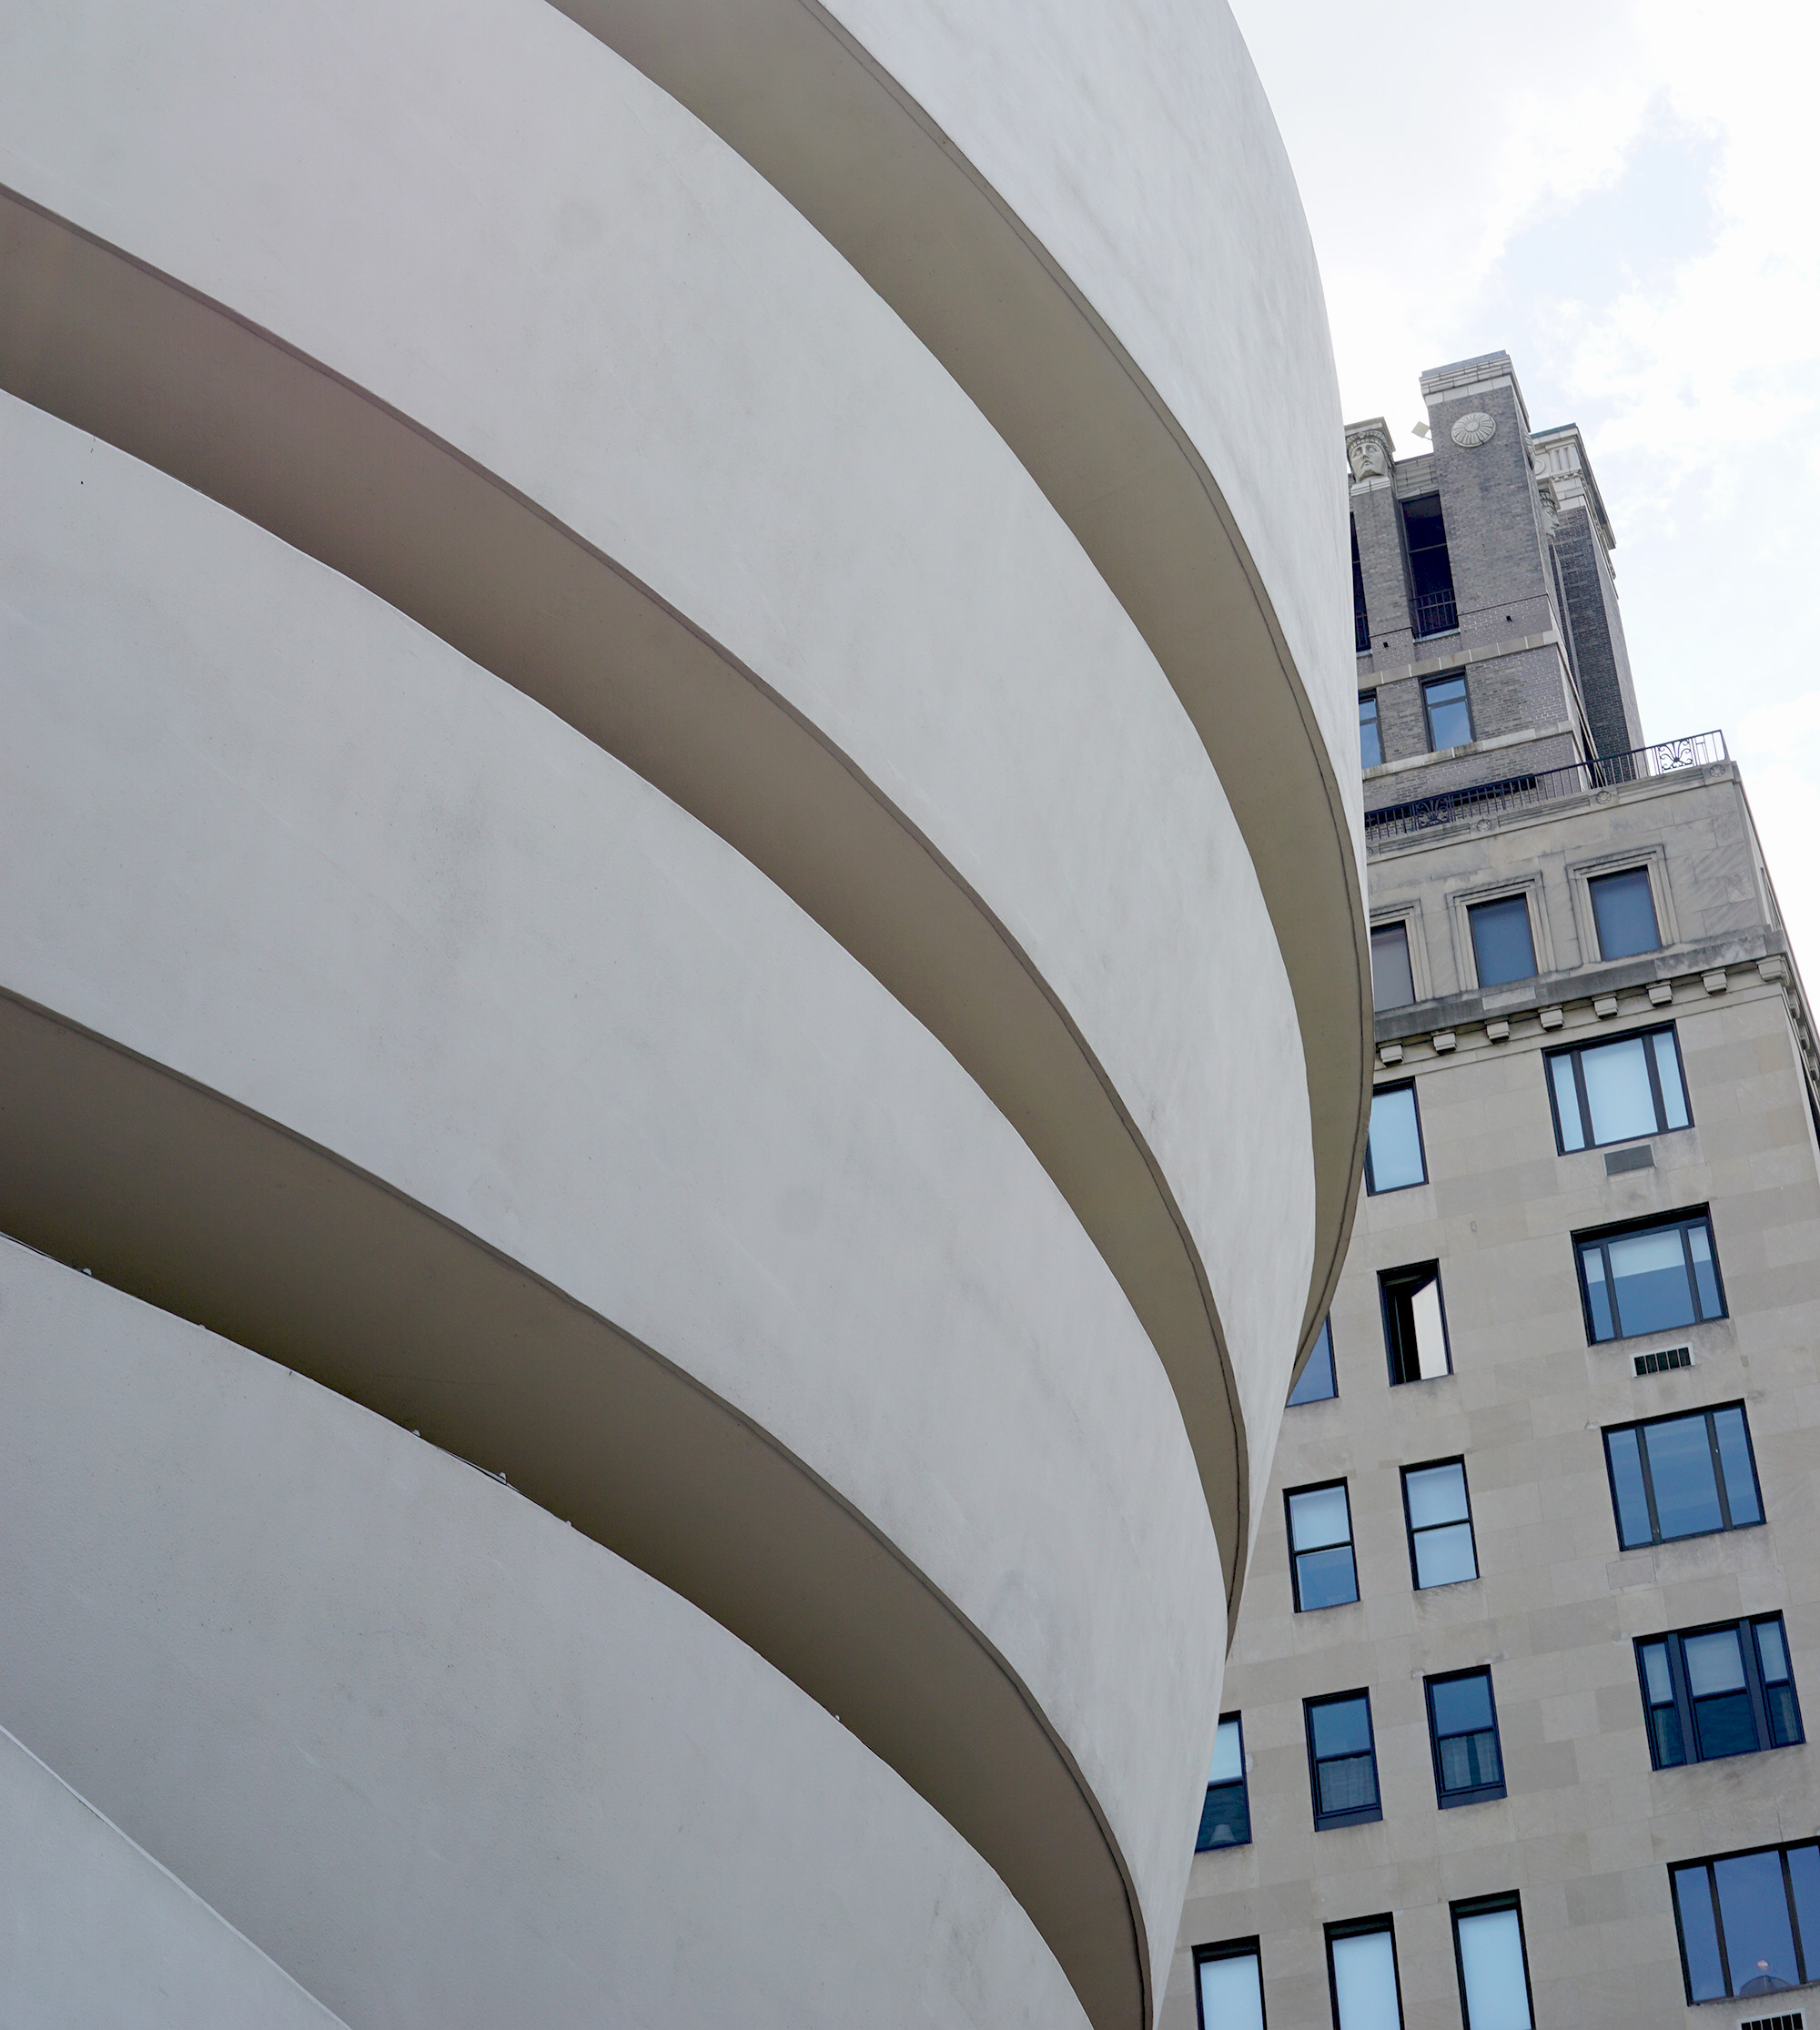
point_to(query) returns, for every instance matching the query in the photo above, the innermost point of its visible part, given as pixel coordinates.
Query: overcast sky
(1626, 198)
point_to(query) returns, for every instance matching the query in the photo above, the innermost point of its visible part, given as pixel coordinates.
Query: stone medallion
(1471, 431)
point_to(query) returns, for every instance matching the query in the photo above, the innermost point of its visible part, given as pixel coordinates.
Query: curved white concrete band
(398, 1726)
(548, 1126)
(840, 624)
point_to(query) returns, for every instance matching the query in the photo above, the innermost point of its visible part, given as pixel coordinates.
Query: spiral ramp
(668, 828)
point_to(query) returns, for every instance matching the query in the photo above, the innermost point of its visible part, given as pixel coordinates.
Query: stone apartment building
(1513, 1731)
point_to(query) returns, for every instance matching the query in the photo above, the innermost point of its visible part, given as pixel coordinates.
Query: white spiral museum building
(678, 822)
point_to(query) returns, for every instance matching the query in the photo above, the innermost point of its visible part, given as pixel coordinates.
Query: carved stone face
(1367, 457)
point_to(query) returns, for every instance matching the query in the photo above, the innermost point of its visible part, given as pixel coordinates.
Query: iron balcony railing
(1434, 612)
(1518, 792)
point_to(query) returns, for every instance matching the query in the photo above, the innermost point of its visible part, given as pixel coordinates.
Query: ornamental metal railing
(1434, 613)
(1518, 792)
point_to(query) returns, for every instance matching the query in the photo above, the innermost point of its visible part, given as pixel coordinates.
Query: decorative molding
(1473, 430)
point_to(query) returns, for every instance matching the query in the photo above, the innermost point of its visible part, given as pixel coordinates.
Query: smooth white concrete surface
(95, 1936)
(447, 1761)
(597, 303)
(263, 831)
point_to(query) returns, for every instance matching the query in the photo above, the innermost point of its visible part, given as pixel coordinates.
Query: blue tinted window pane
(1225, 1818)
(1371, 747)
(1705, 1276)
(1734, 1456)
(1715, 1663)
(1699, 1934)
(1449, 723)
(1320, 1516)
(1753, 1909)
(1656, 1678)
(1492, 1971)
(1469, 1761)
(1445, 1557)
(1365, 1982)
(1627, 1483)
(1348, 1785)
(1624, 913)
(1725, 1726)
(1618, 1095)
(1228, 1755)
(1668, 1072)
(1803, 1871)
(1773, 1654)
(1681, 1473)
(1317, 1383)
(1567, 1103)
(1501, 949)
(1396, 1142)
(1231, 1995)
(1327, 1578)
(1461, 1705)
(1598, 1295)
(1393, 984)
(1342, 1727)
(1648, 1281)
(1437, 1494)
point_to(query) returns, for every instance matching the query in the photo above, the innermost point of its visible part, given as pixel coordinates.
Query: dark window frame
(1243, 1786)
(1709, 1861)
(1478, 1793)
(1378, 1092)
(1436, 601)
(1486, 1906)
(1464, 702)
(1681, 1220)
(1405, 1269)
(1401, 925)
(1319, 1487)
(1680, 1699)
(1361, 619)
(1232, 1949)
(1361, 1927)
(1325, 1334)
(1410, 1532)
(1709, 1411)
(1369, 697)
(1368, 1814)
(1578, 1050)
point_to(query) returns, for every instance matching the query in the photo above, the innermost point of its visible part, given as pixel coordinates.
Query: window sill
(1338, 1822)
(1489, 1796)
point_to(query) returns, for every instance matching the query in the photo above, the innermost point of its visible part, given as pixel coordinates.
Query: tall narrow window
(1320, 1547)
(1415, 1325)
(1393, 1148)
(1463, 1721)
(1617, 1091)
(1503, 947)
(1316, 1383)
(1624, 911)
(1749, 1923)
(1649, 1277)
(1714, 1692)
(1230, 1985)
(1226, 1814)
(1450, 717)
(1361, 1972)
(1342, 1761)
(1687, 1476)
(1370, 744)
(1443, 1551)
(1432, 604)
(1393, 983)
(1494, 1968)
(1362, 624)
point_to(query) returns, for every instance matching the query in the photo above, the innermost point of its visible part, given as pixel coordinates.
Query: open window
(1226, 1813)
(1316, 1383)
(1415, 1324)
(1393, 1146)
(1431, 603)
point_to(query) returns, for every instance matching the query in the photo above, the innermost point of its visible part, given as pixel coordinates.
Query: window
(1624, 911)
(1749, 1923)
(1370, 746)
(1393, 983)
(1715, 1691)
(1226, 1816)
(1494, 1969)
(1649, 1277)
(1342, 1761)
(1317, 1383)
(1502, 948)
(1320, 1547)
(1682, 1476)
(1393, 1149)
(1463, 1725)
(1362, 1972)
(1361, 625)
(1443, 1551)
(1431, 607)
(1415, 1326)
(1230, 1985)
(1450, 718)
(1617, 1091)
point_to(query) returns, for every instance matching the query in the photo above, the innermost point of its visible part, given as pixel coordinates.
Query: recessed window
(1442, 1551)
(1362, 1974)
(1230, 1985)
(1393, 983)
(1370, 746)
(1431, 603)
(1624, 911)
(1415, 1325)
(1749, 1923)
(1362, 624)
(1649, 1277)
(1503, 947)
(1342, 1761)
(1320, 1547)
(1714, 1692)
(1617, 1091)
(1393, 1149)
(1462, 1724)
(1316, 1383)
(1450, 717)
(1682, 1476)
(1493, 1966)
(1226, 1816)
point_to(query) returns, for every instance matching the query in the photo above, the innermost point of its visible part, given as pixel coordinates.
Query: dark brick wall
(1598, 639)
